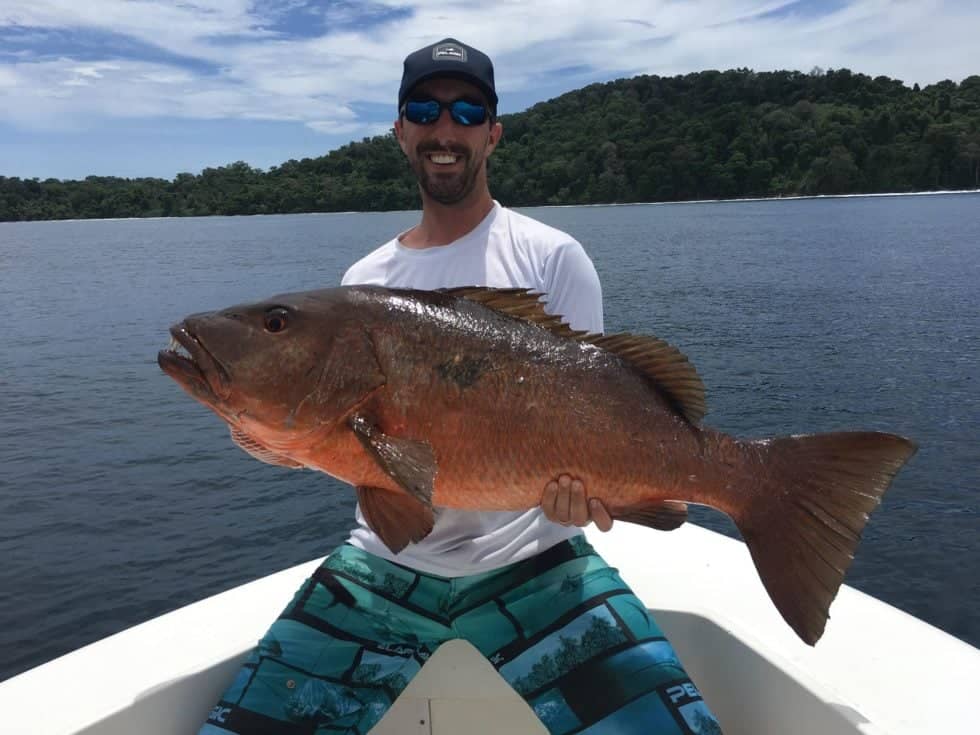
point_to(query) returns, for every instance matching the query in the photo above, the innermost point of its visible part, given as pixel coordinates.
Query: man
(524, 587)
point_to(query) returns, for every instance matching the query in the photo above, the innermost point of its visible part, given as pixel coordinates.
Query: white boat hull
(877, 670)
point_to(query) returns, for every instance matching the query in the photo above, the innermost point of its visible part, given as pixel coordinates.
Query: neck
(444, 223)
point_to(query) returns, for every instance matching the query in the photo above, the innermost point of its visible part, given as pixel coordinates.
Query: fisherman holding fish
(523, 586)
(480, 432)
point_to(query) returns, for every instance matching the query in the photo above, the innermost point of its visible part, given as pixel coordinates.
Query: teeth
(177, 348)
(442, 158)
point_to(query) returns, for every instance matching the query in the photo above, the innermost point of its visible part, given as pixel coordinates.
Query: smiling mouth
(189, 363)
(443, 159)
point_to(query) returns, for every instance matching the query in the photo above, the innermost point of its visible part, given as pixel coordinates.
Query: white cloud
(337, 127)
(242, 67)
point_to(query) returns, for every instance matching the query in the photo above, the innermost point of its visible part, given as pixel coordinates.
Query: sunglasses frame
(456, 116)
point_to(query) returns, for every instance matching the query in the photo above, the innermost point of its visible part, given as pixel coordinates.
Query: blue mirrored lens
(467, 113)
(425, 112)
(422, 112)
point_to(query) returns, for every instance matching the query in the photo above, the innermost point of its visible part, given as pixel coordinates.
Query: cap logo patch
(448, 52)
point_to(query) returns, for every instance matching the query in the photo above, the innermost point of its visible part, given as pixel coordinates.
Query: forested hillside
(698, 136)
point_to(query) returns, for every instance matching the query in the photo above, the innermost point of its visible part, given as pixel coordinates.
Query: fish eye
(276, 319)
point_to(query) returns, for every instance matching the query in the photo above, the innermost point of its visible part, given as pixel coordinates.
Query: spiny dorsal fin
(521, 303)
(664, 364)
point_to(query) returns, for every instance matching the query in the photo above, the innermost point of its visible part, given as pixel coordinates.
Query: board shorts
(561, 628)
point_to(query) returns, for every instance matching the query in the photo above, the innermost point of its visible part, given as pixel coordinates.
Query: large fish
(475, 398)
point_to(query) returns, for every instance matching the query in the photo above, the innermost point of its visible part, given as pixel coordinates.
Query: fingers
(600, 516)
(548, 500)
(564, 501)
(578, 508)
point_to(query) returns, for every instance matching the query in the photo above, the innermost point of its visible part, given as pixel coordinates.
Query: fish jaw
(189, 363)
(280, 390)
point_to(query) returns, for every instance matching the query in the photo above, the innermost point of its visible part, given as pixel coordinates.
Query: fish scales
(496, 399)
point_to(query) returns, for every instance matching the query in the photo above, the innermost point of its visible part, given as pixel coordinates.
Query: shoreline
(796, 197)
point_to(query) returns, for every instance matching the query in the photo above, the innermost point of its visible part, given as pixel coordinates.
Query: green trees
(713, 134)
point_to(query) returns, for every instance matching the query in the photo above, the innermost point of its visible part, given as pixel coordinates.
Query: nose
(444, 120)
(444, 130)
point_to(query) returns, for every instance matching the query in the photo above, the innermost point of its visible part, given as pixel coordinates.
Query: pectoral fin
(397, 518)
(410, 463)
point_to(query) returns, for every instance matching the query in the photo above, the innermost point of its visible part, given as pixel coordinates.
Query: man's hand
(564, 502)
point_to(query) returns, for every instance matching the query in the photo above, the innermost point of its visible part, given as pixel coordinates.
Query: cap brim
(462, 76)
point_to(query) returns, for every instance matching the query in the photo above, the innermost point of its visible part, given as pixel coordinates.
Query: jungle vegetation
(707, 135)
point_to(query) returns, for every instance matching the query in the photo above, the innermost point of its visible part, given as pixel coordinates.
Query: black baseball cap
(448, 58)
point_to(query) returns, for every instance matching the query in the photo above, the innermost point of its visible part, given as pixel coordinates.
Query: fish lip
(202, 369)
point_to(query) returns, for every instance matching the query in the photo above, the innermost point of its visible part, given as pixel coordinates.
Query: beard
(450, 187)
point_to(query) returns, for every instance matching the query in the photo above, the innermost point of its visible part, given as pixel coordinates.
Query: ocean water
(121, 498)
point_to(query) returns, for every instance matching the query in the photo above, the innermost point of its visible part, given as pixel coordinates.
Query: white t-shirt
(506, 249)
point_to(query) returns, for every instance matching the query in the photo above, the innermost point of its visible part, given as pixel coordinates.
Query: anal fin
(664, 515)
(397, 518)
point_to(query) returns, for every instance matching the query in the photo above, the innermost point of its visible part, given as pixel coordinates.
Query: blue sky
(155, 87)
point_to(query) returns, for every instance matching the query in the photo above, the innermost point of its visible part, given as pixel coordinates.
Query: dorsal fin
(665, 365)
(521, 303)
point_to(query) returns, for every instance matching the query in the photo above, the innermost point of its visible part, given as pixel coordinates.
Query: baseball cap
(448, 58)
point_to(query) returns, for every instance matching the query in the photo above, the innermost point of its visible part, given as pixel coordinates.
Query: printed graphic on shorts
(554, 712)
(685, 702)
(391, 672)
(637, 619)
(565, 589)
(370, 618)
(645, 714)
(563, 650)
(564, 631)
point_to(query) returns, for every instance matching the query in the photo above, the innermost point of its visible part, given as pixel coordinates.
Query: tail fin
(804, 525)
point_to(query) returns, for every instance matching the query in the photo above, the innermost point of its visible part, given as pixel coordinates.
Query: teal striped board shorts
(561, 628)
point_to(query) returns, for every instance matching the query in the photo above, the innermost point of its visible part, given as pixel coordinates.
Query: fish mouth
(188, 362)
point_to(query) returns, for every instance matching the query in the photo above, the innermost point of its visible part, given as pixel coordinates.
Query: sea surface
(121, 498)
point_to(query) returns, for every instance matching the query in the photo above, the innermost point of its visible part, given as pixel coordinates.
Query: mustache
(433, 147)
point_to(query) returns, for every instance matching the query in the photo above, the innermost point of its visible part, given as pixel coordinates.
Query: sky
(158, 87)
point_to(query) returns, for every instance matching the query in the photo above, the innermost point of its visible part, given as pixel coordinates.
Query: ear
(496, 133)
(400, 135)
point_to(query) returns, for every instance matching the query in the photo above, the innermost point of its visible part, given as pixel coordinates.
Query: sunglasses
(427, 111)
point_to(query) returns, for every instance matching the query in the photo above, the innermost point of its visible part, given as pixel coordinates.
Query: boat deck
(876, 671)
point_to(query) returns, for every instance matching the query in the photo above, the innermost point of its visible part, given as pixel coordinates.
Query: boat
(876, 671)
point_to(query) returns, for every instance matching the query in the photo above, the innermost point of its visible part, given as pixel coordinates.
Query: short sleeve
(572, 287)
